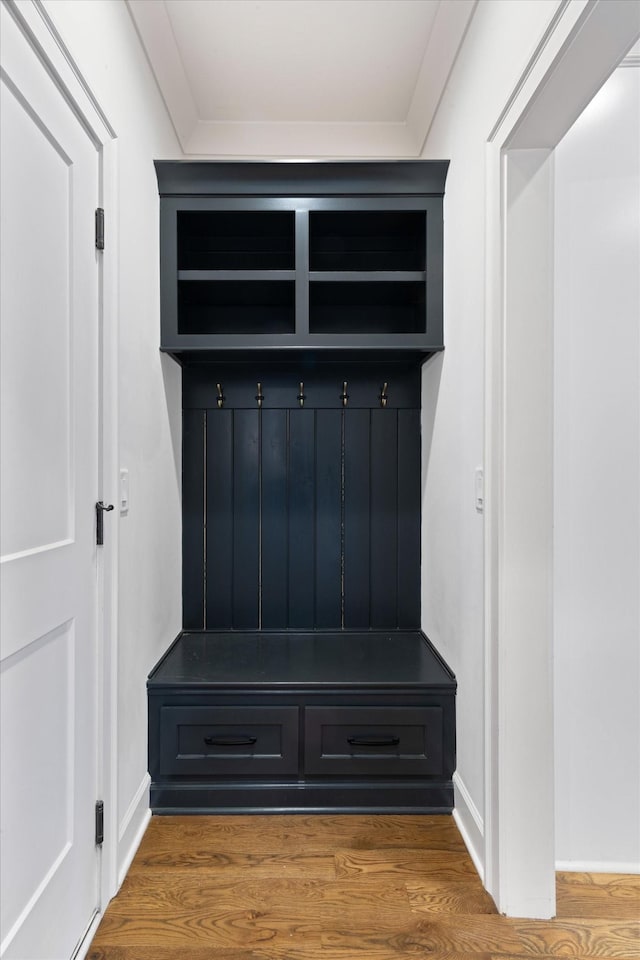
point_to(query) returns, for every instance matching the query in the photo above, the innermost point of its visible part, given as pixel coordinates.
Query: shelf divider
(302, 272)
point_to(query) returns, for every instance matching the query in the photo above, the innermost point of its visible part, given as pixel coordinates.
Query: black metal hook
(383, 395)
(221, 397)
(301, 394)
(344, 396)
(259, 396)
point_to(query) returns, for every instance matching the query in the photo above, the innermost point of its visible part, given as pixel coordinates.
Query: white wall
(501, 38)
(597, 482)
(102, 40)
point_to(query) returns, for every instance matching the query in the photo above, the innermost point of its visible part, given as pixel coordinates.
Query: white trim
(82, 949)
(544, 46)
(153, 26)
(34, 20)
(82, 84)
(110, 476)
(561, 26)
(567, 69)
(271, 139)
(141, 794)
(445, 41)
(525, 511)
(469, 823)
(598, 866)
(132, 828)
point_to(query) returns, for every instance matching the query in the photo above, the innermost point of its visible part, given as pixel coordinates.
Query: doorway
(584, 44)
(597, 481)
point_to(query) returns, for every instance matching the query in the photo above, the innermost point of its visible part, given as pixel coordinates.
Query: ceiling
(301, 78)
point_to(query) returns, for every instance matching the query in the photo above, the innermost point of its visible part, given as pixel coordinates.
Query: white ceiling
(301, 78)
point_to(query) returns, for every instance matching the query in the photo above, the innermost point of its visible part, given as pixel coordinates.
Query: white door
(49, 484)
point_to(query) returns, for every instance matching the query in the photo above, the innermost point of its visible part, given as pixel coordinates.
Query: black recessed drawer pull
(373, 741)
(230, 741)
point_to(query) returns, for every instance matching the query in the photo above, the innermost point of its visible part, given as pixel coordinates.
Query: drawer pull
(230, 741)
(373, 741)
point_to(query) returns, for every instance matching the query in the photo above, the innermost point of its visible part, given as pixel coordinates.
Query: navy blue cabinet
(301, 300)
(285, 258)
(317, 721)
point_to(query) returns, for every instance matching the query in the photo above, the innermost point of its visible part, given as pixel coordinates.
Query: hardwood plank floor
(336, 888)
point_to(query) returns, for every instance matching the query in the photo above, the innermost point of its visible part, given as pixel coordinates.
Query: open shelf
(236, 307)
(301, 259)
(236, 240)
(369, 307)
(367, 240)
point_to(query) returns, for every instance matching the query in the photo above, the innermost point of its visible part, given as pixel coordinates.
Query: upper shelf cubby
(367, 240)
(298, 259)
(236, 240)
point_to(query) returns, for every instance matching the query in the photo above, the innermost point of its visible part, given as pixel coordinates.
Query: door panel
(36, 462)
(49, 436)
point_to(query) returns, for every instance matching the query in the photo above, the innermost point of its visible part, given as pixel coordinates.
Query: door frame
(40, 32)
(585, 41)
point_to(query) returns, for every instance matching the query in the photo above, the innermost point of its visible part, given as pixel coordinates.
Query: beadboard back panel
(301, 496)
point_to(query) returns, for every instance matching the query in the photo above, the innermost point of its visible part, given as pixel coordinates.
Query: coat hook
(383, 395)
(259, 396)
(220, 400)
(344, 395)
(301, 394)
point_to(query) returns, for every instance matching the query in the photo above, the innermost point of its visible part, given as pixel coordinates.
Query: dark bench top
(208, 659)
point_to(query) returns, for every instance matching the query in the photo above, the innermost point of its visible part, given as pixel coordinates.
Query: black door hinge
(99, 228)
(101, 509)
(99, 822)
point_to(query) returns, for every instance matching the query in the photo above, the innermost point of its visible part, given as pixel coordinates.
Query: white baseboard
(469, 823)
(82, 949)
(132, 828)
(598, 866)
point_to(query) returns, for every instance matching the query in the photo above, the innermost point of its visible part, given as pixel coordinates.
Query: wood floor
(332, 888)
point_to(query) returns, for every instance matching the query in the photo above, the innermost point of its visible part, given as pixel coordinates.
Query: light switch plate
(479, 489)
(124, 492)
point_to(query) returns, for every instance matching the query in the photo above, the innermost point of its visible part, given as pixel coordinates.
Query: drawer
(378, 741)
(228, 741)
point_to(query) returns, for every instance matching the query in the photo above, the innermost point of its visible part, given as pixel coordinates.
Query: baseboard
(83, 947)
(469, 823)
(331, 797)
(132, 828)
(598, 866)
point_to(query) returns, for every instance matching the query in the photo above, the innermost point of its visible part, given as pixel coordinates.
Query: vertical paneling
(219, 532)
(246, 513)
(193, 518)
(305, 518)
(275, 546)
(302, 549)
(356, 519)
(328, 612)
(384, 528)
(409, 463)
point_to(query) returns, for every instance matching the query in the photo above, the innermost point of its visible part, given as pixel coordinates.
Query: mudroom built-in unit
(301, 300)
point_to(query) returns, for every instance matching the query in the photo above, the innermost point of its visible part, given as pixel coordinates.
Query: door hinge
(99, 228)
(99, 822)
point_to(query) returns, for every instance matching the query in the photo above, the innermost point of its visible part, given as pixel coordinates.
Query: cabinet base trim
(334, 798)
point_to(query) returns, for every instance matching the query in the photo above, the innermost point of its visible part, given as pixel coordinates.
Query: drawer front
(382, 741)
(228, 741)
